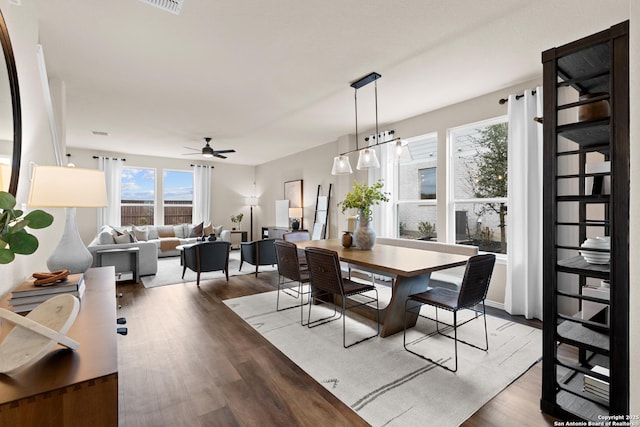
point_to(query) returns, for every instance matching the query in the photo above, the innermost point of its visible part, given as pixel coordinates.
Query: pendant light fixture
(367, 157)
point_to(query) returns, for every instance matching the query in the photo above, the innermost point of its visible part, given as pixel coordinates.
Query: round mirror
(10, 121)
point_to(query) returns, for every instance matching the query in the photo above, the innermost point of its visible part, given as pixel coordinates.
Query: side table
(237, 236)
(126, 262)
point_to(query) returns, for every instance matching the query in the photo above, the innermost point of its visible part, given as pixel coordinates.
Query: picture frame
(293, 193)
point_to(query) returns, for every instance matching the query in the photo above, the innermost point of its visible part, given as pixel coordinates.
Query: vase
(347, 240)
(364, 237)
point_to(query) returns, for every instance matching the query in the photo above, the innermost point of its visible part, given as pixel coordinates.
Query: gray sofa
(153, 241)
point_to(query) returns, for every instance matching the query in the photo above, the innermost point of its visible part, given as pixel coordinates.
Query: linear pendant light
(367, 157)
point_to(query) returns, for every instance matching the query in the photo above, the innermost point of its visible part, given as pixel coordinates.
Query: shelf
(587, 69)
(596, 132)
(578, 265)
(577, 335)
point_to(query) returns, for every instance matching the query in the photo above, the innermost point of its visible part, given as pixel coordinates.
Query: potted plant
(236, 219)
(362, 197)
(14, 238)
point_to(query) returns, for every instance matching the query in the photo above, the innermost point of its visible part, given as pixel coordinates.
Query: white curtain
(201, 194)
(384, 213)
(113, 174)
(523, 294)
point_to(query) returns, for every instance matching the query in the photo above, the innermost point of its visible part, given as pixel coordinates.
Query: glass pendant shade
(368, 159)
(341, 166)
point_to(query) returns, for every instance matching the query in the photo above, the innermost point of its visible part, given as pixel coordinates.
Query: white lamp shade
(295, 212)
(251, 201)
(368, 159)
(341, 166)
(66, 187)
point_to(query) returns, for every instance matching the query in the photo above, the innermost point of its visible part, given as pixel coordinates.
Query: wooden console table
(71, 388)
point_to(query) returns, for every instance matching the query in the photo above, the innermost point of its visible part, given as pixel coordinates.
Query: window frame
(154, 203)
(163, 200)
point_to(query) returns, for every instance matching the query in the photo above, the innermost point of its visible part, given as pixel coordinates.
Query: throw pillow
(141, 233)
(217, 230)
(123, 238)
(166, 231)
(208, 230)
(105, 238)
(179, 232)
(197, 230)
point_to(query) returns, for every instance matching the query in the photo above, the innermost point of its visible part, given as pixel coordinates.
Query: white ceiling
(271, 77)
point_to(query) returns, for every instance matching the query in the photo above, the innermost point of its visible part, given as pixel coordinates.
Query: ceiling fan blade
(224, 151)
(190, 154)
(219, 155)
(194, 149)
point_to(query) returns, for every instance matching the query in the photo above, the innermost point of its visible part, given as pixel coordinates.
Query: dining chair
(472, 293)
(206, 256)
(290, 271)
(327, 281)
(296, 237)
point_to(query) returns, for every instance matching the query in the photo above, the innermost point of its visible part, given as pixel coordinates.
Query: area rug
(383, 383)
(170, 271)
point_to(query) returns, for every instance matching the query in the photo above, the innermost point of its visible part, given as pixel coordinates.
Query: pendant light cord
(355, 100)
(375, 83)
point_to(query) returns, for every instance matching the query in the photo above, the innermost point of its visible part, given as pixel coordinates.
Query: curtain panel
(201, 194)
(112, 168)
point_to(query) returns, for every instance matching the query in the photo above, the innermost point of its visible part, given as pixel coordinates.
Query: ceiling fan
(208, 151)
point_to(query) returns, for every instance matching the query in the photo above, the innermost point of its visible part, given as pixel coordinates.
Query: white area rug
(383, 383)
(170, 271)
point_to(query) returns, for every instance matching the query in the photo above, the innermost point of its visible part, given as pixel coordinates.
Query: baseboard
(498, 305)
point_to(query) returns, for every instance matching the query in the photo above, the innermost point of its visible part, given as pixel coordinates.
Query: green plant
(14, 238)
(426, 229)
(363, 196)
(237, 218)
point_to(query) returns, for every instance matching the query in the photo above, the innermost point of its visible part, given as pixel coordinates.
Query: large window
(138, 196)
(177, 196)
(479, 184)
(416, 183)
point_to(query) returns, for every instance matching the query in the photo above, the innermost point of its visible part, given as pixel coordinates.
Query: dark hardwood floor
(190, 361)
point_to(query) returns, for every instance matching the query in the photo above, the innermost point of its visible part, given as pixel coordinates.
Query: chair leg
(198, 279)
(184, 269)
(344, 328)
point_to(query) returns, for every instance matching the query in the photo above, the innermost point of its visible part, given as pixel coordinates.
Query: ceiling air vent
(172, 6)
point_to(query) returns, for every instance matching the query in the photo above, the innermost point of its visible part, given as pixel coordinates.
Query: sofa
(154, 241)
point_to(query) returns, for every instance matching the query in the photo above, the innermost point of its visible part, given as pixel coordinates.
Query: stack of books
(596, 386)
(28, 296)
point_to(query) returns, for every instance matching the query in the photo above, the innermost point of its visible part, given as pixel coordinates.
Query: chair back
(288, 264)
(324, 270)
(475, 283)
(296, 236)
(266, 252)
(207, 256)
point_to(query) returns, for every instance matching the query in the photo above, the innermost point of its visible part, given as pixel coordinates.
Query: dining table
(410, 270)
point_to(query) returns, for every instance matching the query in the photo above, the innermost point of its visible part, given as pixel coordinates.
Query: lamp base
(71, 253)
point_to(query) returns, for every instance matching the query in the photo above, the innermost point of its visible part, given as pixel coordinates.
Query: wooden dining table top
(396, 260)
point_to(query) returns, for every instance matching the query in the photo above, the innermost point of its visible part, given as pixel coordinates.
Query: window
(177, 196)
(138, 196)
(416, 183)
(479, 182)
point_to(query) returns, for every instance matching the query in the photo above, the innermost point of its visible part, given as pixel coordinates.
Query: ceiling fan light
(341, 165)
(368, 159)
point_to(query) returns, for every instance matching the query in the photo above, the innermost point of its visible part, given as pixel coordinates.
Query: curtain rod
(107, 157)
(505, 100)
(204, 166)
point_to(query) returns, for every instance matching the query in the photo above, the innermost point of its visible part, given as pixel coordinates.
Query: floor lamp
(251, 201)
(70, 188)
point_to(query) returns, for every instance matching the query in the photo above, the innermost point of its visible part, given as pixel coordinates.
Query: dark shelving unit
(598, 66)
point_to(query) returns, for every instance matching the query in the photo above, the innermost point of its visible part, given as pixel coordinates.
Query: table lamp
(70, 188)
(296, 215)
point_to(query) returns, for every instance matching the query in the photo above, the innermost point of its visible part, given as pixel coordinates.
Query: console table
(71, 388)
(237, 236)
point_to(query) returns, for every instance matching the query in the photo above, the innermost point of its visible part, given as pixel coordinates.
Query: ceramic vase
(364, 237)
(347, 240)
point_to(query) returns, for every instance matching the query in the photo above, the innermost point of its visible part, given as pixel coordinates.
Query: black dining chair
(206, 256)
(472, 293)
(327, 283)
(291, 272)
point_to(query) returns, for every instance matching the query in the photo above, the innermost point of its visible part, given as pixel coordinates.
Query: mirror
(10, 120)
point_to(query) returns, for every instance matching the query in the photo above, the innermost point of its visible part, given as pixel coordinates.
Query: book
(595, 385)
(23, 306)
(30, 299)
(27, 288)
